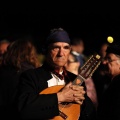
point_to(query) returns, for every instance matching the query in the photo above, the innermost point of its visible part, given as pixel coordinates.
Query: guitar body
(71, 110)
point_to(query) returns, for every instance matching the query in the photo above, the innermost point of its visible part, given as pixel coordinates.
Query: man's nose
(61, 52)
(104, 62)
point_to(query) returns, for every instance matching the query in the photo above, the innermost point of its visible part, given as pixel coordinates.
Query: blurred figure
(41, 58)
(77, 45)
(109, 108)
(102, 53)
(20, 56)
(73, 66)
(3, 47)
(100, 77)
(103, 49)
(91, 91)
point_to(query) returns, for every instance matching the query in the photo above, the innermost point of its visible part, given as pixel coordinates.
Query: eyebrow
(59, 46)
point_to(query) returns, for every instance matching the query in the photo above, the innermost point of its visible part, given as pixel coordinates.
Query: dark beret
(58, 35)
(113, 48)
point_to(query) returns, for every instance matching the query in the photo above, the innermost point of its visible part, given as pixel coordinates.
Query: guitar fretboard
(88, 68)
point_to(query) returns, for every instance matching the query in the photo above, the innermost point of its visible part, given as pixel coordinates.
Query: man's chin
(59, 64)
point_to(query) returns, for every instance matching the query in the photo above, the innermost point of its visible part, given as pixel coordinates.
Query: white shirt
(55, 81)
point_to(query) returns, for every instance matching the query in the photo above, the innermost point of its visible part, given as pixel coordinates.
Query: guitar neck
(78, 80)
(88, 69)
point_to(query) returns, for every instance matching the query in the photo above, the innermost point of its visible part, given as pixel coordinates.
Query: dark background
(93, 26)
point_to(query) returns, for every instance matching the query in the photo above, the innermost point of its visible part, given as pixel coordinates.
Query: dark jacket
(31, 105)
(8, 90)
(9, 81)
(109, 109)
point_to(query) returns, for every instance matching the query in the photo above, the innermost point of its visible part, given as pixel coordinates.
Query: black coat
(8, 90)
(9, 81)
(109, 109)
(31, 105)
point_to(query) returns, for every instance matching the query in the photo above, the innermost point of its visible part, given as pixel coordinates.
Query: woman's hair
(21, 51)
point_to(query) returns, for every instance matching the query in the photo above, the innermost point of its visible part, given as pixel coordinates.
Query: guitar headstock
(90, 66)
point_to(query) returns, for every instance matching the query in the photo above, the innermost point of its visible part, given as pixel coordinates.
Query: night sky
(92, 27)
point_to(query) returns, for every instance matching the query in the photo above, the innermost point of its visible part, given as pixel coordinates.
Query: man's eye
(55, 48)
(67, 47)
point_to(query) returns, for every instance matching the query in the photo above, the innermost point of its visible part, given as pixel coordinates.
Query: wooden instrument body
(71, 109)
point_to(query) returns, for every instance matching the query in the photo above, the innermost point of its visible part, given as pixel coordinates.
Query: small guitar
(71, 111)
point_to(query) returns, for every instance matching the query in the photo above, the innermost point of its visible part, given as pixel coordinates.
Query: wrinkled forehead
(60, 44)
(112, 55)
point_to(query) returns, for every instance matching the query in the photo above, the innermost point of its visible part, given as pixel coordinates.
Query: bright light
(110, 39)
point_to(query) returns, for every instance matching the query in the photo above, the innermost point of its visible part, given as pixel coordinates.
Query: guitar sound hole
(65, 103)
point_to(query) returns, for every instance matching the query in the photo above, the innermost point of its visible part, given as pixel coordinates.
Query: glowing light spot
(110, 39)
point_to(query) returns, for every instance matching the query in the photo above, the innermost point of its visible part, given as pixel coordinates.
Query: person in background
(3, 48)
(20, 56)
(77, 48)
(34, 102)
(73, 65)
(109, 109)
(103, 49)
(100, 77)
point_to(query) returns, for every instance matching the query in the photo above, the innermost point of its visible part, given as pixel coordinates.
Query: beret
(113, 48)
(58, 35)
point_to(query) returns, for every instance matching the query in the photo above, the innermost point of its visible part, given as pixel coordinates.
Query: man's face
(112, 63)
(3, 48)
(103, 50)
(80, 47)
(58, 54)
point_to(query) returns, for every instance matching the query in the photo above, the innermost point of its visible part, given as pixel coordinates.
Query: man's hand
(71, 93)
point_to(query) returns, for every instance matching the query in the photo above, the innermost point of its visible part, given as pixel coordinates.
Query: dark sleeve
(31, 105)
(109, 108)
(88, 111)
